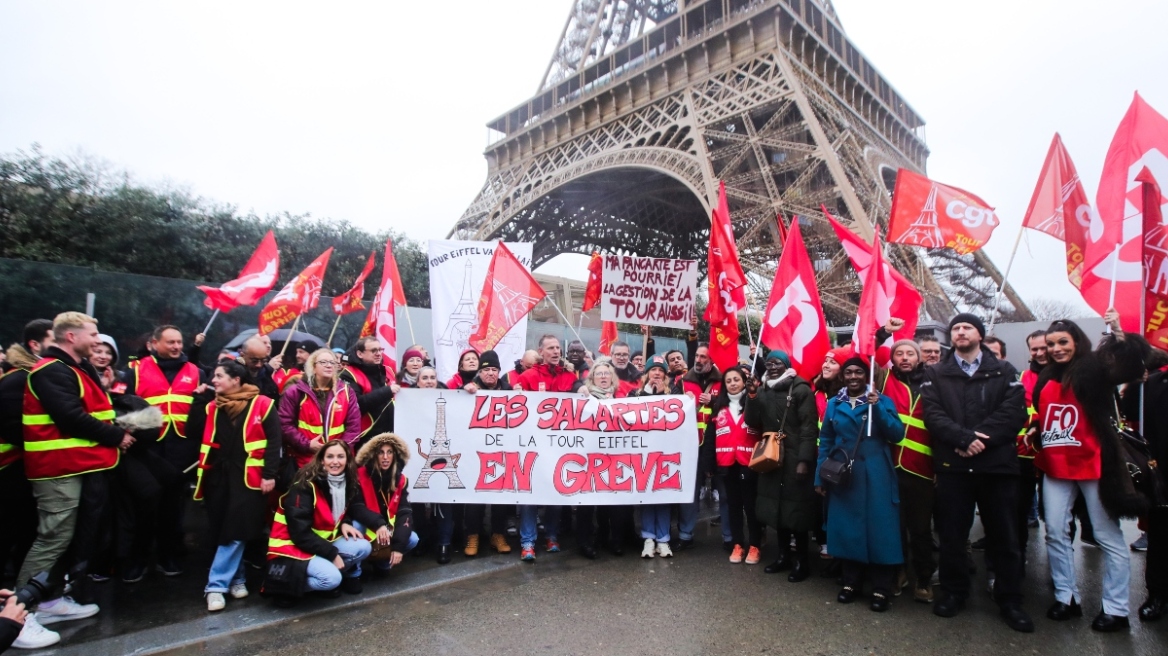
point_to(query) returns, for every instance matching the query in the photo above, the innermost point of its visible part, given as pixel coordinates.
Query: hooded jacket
(386, 485)
(12, 394)
(378, 401)
(56, 387)
(553, 379)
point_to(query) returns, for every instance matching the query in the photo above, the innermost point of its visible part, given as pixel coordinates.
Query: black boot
(443, 554)
(801, 569)
(782, 564)
(1154, 608)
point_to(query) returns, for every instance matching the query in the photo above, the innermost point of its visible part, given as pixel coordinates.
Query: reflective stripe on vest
(172, 398)
(362, 382)
(47, 453)
(311, 424)
(255, 443)
(913, 454)
(324, 524)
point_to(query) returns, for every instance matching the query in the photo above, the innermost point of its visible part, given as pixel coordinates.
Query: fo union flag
(300, 295)
(935, 215)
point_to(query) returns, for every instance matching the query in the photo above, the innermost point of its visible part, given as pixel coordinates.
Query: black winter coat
(379, 401)
(786, 499)
(299, 511)
(56, 387)
(992, 402)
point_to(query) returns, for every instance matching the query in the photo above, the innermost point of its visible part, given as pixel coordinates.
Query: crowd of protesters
(299, 472)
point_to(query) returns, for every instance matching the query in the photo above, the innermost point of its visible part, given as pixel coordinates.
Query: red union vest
(733, 440)
(914, 453)
(311, 424)
(280, 377)
(173, 399)
(255, 442)
(1028, 378)
(49, 453)
(372, 500)
(366, 387)
(693, 391)
(1070, 448)
(324, 524)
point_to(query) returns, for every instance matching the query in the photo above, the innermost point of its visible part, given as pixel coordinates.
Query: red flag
(381, 321)
(1060, 195)
(793, 321)
(350, 301)
(906, 303)
(509, 293)
(1155, 260)
(725, 280)
(934, 215)
(783, 228)
(608, 335)
(300, 295)
(592, 292)
(1140, 141)
(257, 278)
(724, 343)
(875, 302)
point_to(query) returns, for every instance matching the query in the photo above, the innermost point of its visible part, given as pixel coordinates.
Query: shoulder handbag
(838, 472)
(1147, 477)
(768, 452)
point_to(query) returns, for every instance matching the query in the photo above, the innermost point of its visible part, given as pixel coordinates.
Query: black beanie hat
(971, 319)
(489, 359)
(308, 345)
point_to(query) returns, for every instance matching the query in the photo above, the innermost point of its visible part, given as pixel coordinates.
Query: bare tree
(1049, 309)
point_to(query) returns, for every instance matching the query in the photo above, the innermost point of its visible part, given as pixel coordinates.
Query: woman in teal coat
(863, 517)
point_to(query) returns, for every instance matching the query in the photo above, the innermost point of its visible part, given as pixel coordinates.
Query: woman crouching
(384, 490)
(313, 528)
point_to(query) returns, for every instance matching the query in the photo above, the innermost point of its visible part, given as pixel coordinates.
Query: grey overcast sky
(375, 111)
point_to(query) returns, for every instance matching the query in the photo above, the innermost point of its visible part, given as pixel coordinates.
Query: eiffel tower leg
(455, 483)
(423, 481)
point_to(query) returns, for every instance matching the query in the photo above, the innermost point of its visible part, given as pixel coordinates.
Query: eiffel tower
(925, 231)
(439, 461)
(465, 316)
(646, 104)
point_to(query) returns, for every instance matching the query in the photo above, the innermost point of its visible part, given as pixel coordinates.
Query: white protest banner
(457, 272)
(539, 448)
(648, 290)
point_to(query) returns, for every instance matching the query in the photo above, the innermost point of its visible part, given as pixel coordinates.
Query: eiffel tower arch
(646, 104)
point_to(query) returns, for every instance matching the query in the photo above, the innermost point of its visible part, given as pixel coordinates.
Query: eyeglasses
(327, 363)
(256, 360)
(372, 350)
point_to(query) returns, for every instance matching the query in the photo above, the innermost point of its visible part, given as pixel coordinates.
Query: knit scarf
(236, 402)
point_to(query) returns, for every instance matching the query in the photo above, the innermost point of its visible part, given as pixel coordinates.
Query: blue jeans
(444, 519)
(323, 575)
(687, 519)
(226, 568)
(655, 522)
(382, 565)
(529, 524)
(723, 508)
(1058, 496)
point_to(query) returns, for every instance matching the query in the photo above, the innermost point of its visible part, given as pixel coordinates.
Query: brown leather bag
(768, 453)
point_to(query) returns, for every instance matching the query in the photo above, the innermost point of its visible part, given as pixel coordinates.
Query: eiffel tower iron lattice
(646, 104)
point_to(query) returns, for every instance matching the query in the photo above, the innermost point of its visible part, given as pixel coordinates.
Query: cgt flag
(725, 279)
(381, 321)
(257, 278)
(793, 321)
(934, 215)
(350, 301)
(595, 280)
(1140, 141)
(1059, 196)
(300, 295)
(906, 300)
(509, 293)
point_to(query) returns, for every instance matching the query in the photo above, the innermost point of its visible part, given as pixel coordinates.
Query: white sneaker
(990, 584)
(35, 636)
(238, 590)
(663, 550)
(649, 550)
(215, 601)
(65, 610)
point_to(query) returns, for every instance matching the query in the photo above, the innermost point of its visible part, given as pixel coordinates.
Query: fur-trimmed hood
(19, 357)
(369, 451)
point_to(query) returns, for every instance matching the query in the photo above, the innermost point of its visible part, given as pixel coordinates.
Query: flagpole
(1111, 294)
(292, 334)
(410, 323)
(567, 321)
(749, 332)
(871, 388)
(215, 314)
(1002, 287)
(332, 332)
(749, 336)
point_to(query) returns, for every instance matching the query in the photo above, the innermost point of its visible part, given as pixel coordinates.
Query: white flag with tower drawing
(457, 272)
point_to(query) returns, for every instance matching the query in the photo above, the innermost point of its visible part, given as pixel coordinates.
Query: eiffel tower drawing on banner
(439, 461)
(925, 231)
(462, 321)
(647, 104)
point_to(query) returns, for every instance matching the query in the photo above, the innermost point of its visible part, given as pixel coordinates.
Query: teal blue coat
(863, 519)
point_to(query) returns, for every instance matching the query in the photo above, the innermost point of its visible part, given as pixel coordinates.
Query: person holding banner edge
(488, 378)
(655, 518)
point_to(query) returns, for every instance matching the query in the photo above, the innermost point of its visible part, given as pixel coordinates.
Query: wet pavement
(695, 603)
